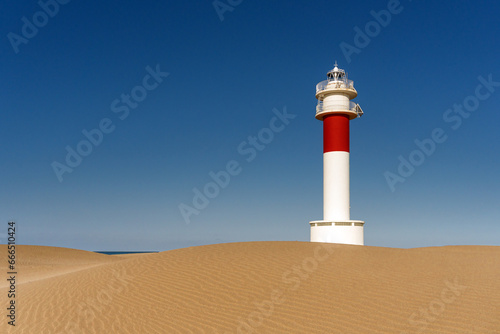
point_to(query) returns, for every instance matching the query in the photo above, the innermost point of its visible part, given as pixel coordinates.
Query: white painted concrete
(336, 202)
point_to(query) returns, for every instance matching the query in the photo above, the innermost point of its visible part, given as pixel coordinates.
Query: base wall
(338, 232)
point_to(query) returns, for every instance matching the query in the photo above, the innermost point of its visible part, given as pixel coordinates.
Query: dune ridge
(259, 287)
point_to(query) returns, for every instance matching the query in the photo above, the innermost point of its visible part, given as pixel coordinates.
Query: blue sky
(225, 78)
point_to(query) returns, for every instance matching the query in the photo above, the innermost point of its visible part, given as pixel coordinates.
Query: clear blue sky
(225, 78)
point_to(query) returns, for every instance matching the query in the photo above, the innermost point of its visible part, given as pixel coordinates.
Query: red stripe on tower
(336, 133)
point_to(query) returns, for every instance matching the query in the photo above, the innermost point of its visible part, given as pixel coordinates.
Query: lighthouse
(335, 109)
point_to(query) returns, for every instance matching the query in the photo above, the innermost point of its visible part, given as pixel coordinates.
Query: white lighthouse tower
(336, 109)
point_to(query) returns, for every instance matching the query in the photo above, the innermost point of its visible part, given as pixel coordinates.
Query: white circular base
(340, 232)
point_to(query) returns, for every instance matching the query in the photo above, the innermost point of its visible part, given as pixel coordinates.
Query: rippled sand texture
(257, 287)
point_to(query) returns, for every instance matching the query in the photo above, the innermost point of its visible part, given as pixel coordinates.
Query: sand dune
(38, 262)
(258, 287)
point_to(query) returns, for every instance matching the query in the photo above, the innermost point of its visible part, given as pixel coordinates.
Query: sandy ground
(257, 287)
